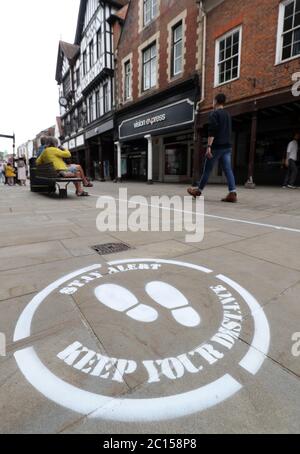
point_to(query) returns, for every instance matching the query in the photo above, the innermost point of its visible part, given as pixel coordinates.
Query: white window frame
(99, 41)
(127, 80)
(106, 98)
(174, 44)
(91, 54)
(153, 15)
(97, 103)
(78, 78)
(217, 53)
(84, 62)
(91, 108)
(144, 88)
(153, 39)
(279, 46)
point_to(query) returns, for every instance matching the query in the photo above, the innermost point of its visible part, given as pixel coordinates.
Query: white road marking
(164, 261)
(222, 218)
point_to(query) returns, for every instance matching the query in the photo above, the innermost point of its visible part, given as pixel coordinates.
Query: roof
(119, 15)
(82, 10)
(70, 51)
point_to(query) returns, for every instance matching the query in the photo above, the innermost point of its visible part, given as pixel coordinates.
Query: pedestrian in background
(10, 174)
(291, 163)
(22, 170)
(219, 149)
(2, 173)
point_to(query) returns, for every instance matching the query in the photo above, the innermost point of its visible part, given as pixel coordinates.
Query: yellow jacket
(9, 171)
(54, 156)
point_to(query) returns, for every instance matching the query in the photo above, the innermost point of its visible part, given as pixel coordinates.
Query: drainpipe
(198, 156)
(204, 39)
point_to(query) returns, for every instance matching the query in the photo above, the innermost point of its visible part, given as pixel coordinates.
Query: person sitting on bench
(52, 154)
(76, 168)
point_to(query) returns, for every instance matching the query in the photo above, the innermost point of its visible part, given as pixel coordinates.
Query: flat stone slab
(166, 335)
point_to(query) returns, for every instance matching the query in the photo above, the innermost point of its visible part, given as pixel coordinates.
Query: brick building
(157, 52)
(252, 55)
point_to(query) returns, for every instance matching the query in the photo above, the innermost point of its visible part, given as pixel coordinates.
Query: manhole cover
(111, 248)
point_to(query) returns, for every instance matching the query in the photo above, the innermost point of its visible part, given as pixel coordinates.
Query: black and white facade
(85, 74)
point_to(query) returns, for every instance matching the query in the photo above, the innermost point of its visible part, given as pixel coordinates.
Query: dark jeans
(291, 173)
(224, 155)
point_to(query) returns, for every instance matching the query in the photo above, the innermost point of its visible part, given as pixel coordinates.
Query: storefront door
(134, 166)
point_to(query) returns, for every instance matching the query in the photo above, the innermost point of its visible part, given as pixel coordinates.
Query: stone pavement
(167, 337)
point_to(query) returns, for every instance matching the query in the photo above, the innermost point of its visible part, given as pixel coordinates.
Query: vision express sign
(177, 114)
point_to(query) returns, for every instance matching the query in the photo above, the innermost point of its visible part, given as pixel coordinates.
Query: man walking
(219, 148)
(291, 162)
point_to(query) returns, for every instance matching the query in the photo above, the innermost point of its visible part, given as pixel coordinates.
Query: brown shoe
(231, 198)
(194, 192)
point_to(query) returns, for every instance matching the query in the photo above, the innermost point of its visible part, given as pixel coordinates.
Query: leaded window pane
(229, 57)
(150, 67)
(291, 30)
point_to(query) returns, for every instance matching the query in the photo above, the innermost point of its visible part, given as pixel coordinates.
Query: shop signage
(177, 114)
(100, 129)
(72, 144)
(80, 141)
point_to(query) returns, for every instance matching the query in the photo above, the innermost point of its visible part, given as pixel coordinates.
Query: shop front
(76, 146)
(262, 129)
(156, 141)
(100, 151)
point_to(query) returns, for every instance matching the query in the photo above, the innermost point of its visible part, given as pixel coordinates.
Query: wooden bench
(48, 180)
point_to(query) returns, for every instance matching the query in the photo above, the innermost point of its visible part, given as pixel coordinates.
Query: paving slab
(31, 254)
(83, 246)
(267, 405)
(263, 279)
(96, 343)
(281, 248)
(32, 279)
(30, 235)
(28, 411)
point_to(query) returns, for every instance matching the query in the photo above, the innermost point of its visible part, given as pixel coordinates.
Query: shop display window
(176, 159)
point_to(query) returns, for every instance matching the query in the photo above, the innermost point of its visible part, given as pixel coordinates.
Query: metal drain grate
(111, 248)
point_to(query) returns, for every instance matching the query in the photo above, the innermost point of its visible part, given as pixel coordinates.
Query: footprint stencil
(120, 299)
(169, 297)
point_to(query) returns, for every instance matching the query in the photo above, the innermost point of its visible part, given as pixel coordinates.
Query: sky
(30, 31)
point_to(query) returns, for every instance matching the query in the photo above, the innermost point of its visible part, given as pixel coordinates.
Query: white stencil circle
(99, 406)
